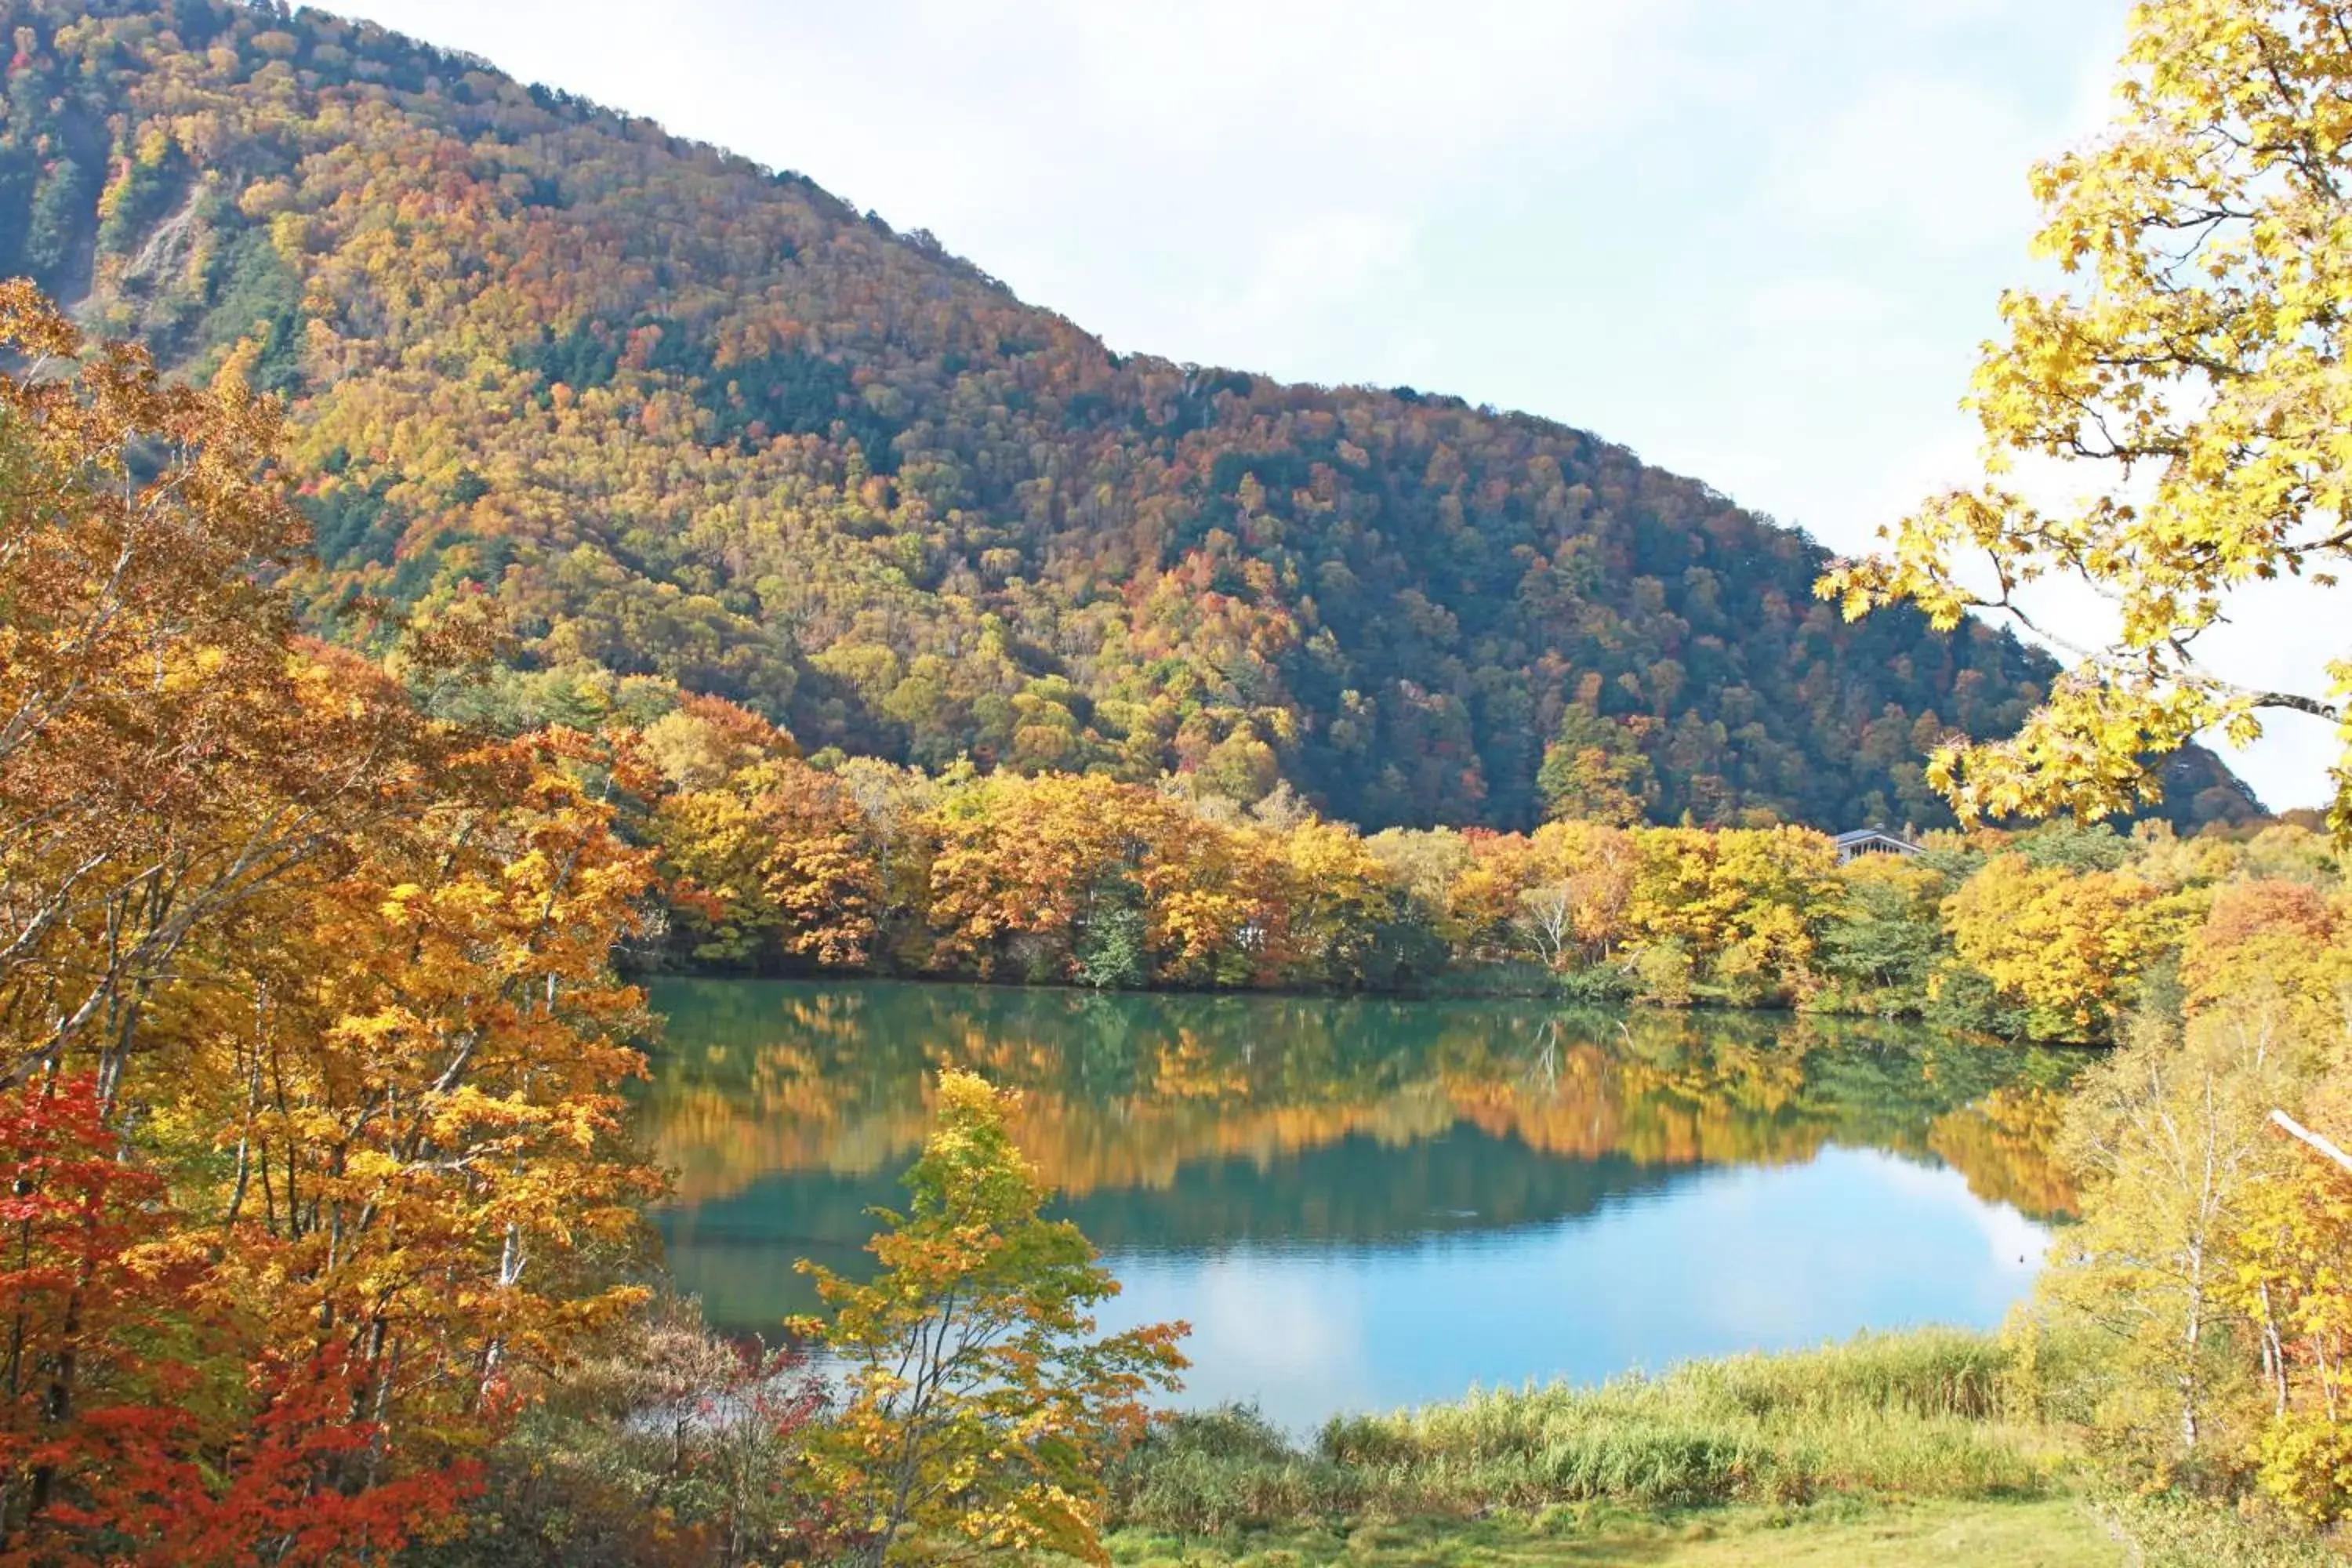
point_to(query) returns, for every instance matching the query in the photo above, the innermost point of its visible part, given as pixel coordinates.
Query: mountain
(700, 426)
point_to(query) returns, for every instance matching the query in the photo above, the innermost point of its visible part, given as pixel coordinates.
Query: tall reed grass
(1919, 1414)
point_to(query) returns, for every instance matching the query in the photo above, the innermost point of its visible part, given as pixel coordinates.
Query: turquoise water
(1364, 1204)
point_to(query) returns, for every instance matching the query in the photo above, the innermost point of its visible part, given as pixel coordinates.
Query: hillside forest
(696, 422)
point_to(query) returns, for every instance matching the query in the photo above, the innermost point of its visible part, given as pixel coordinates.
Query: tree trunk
(2326, 1147)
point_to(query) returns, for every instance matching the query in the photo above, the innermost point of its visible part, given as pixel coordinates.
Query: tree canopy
(2192, 366)
(309, 1047)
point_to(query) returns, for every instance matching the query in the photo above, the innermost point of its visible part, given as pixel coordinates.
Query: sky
(1756, 243)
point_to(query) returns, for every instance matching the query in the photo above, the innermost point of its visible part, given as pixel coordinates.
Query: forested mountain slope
(701, 423)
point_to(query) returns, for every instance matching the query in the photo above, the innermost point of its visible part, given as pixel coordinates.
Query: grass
(1907, 1449)
(1911, 1417)
(2056, 1532)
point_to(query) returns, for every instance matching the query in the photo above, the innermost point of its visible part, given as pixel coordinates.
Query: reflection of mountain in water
(1358, 1191)
(1355, 1193)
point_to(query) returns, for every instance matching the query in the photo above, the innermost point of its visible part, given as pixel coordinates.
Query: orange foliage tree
(320, 986)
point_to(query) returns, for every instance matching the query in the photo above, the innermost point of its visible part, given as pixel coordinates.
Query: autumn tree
(705, 742)
(2169, 1139)
(1027, 869)
(1596, 866)
(2302, 1315)
(335, 973)
(1548, 920)
(778, 861)
(1343, 916)
(2068, 948)
(1594, 769)
(1429, 865)
(979, 1408)
(2184, 380)
(140, 1426)
(2188, 370)
(160, 759)
(1743, 901)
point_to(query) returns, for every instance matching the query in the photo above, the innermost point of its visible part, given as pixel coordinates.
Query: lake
(1362, 1205)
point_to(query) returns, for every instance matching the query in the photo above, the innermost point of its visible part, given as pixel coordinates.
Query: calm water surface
(1363, 1205)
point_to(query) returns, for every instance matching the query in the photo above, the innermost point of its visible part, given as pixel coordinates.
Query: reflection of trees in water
(2006, 1145)
(1146, 1093)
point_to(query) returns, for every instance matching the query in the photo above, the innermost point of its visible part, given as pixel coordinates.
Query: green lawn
(2049, 1532)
